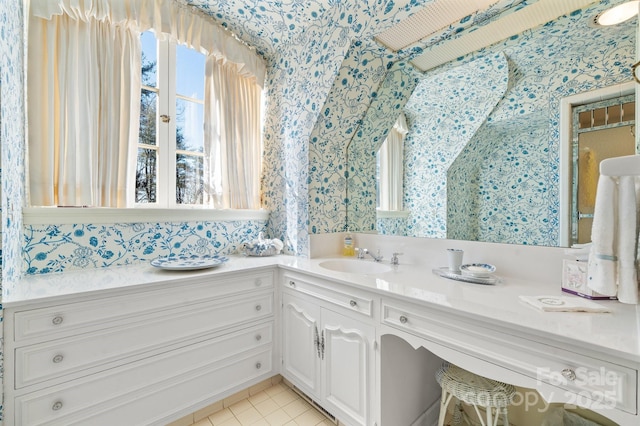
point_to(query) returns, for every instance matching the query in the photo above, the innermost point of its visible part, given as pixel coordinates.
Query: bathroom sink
(355, 266)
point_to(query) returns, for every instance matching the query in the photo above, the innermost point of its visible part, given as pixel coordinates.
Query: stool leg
(444, 402)
(490, 416)
(505, 414)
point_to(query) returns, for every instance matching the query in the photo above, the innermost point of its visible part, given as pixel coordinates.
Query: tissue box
(574, 280)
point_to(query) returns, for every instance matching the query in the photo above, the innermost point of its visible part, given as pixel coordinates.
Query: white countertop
(616, 333)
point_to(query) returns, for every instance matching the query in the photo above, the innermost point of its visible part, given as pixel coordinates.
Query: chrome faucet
(394, 258)
(363, 251)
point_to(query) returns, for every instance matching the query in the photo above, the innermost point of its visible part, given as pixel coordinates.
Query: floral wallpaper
(361, 72)
(321, 70)
(517, 216)
(443, 114)
(503, 185)
(11, 150)
(56, 248)
(391, 226)
(383, 112)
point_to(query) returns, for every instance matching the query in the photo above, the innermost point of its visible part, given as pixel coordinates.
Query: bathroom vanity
(146, 346)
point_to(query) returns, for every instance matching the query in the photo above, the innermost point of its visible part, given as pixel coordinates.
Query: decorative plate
(554, 301)
(188, 263)
(477, 269)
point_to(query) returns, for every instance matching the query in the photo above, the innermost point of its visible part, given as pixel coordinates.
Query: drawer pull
(258, 282)
(258, 307)
(403, 319)
(258, 366)
(569, 374)
(353, 303)
(258, 337)
(56, 405)
(57, 359)
(57, 320)
(292, 283)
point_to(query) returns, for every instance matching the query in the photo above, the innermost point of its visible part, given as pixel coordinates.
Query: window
(390, 169)
(170, 157)
(167, 118)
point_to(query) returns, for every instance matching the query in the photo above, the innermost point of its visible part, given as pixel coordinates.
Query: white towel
(563, 304)
(613, 259)
(627, 240)
(602, 259)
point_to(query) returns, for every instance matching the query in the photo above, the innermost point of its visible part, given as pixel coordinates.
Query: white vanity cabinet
(147, 356)
(561, 373)
(329, 348)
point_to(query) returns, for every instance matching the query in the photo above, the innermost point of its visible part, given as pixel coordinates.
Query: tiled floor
(275, 405)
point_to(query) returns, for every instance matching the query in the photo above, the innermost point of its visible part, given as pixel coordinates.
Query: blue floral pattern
(12, 138)
(57, 248)
(443, 114)
(392, 226)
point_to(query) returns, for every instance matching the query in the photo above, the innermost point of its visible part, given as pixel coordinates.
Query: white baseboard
(430, 416)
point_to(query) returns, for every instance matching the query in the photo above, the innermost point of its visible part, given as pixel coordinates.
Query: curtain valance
(168, 18)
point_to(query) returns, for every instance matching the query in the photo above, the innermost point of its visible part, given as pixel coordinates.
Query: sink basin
(355, 266)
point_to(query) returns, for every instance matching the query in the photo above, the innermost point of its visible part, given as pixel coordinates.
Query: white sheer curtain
(83, 106)
(391, 158)
(232, 125)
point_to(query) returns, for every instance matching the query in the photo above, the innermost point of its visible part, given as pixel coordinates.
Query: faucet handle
(394, 258)
(361, 252)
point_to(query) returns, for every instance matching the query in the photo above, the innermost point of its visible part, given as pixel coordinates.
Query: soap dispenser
(348, 246)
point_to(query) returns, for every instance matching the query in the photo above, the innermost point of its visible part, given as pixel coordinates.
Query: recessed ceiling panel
(433, 17)
(531, 16)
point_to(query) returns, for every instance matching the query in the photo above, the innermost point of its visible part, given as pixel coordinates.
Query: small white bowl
(480, 270)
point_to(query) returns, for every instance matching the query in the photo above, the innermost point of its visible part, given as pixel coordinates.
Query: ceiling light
(617, 14)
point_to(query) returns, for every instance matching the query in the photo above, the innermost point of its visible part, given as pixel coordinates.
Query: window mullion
(171, 134)
(164, 129)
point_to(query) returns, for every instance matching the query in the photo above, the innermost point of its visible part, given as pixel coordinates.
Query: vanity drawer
(65, 320)
(573, 378)
(145, 391)
(46, 361)
(351, 299)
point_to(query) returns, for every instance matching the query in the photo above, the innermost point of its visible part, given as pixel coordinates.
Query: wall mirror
(482, 158)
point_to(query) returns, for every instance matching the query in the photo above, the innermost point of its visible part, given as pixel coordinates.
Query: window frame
(144, 212)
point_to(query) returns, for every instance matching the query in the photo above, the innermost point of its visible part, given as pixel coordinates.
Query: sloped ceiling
(268, 25)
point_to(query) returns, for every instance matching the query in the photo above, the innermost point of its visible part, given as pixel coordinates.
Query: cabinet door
(349, 368)
(300, 352)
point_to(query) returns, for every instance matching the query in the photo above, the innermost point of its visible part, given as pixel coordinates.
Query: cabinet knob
(258, 337)
(292, 283)
(353, 303)
(258, 282)
(56, 405)
(57, 320)
(258, 307)
(569, 374)
(403, 319)
(258, 366)
(57, 359)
